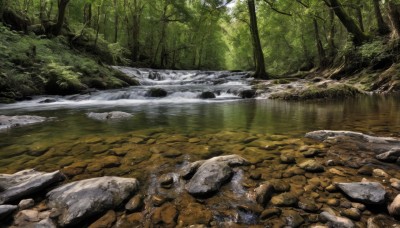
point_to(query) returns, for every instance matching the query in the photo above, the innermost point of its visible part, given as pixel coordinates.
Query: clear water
(195, 128)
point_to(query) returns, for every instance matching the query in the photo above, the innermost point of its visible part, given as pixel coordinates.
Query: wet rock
(108, 115)
(6, 210)
(394, 207)
(212, 174)
(189, 170)
(287, 159)
(395, 183)
(25, 183)
(312, 153)
(48, 100)
(293, 219)
(26, 203)
(333, 202)
(336, 221)
(352, 213)
(156, 92)
(331, 188)
(106, 221)
(372, 143)
(269, 213)
(81, 199)
(389, 156)
(194, 213)
(284, 200)
(280, 186)
(263, 193)
(381, 221)
(365, 170)
(309, 205)
(25, 217)
(379, 173)
(131, 220)
(247, 94)
(312, 166)
(364, 192)
(158, 200)
(135, 203)
(165, 215)
(359, 206)
(45, 223)
(7, 122)
(207, 95)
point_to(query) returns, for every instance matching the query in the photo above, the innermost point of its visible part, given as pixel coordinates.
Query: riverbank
(31, 65)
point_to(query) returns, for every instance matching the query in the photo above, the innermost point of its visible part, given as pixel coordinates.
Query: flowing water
(166, 133)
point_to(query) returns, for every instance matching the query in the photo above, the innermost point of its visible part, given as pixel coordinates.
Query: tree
(359, 36)
(62, 5)
(258, 52)
(383, 28)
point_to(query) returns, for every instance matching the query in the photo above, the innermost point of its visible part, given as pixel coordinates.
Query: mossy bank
(32, 65)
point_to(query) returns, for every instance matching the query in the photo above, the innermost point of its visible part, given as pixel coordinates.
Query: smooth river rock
(336, 221)
(7, 122)
(16, 186)
(6, 210)
(389, 156)
(108, 115)
(394, 207)
(212, 173)
(372, 143)
(82, 199)
(364, 192)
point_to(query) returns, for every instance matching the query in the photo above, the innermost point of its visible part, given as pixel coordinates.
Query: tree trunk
(116, 21)
(259, 56)
(87, 14)
(136, 31)
(383, 28)
(320, 47)
(97, 25)
(359, 15)
(394, 14)
(62, 5)
(331, 36)
(359, 36)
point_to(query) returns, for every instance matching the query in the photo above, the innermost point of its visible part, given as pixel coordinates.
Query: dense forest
(288, 35)
(268, 36)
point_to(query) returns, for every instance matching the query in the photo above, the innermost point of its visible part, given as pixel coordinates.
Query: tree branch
(271, 5)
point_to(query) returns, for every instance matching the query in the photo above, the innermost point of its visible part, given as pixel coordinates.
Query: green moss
(336, 91)
(30, 65)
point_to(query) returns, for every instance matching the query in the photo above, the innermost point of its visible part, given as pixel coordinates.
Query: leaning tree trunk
(259, 56)
(383, 28)
(359, 36)
(359, 15)
(394, 14)
(62, 5)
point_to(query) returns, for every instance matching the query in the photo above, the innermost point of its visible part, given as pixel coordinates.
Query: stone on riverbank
(7, 122)
(336, 221)
(211, 174)
(81, 199)
(364, 192)
(109, 115)
(6, 210)
(24, 183)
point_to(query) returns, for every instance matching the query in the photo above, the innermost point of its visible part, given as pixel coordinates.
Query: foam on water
(181, 86)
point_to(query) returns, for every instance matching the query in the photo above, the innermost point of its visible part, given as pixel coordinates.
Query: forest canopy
(278, 36)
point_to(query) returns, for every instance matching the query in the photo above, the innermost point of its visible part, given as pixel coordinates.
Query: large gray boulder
(82, 199)
(6, 210)
(372, 143)
(212, 173)
(14, 187)
(364, 192)
(108, 115)
(7, 122)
